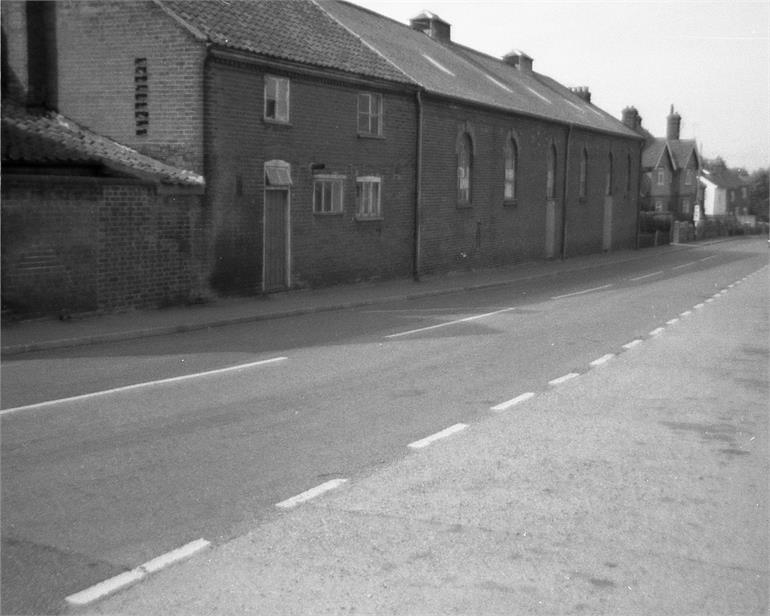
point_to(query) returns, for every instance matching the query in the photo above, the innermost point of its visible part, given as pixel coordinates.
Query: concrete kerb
(135, 334)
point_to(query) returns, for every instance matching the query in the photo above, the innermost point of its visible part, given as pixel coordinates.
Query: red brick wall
(97, 43)
(85, 246)
(325, 249)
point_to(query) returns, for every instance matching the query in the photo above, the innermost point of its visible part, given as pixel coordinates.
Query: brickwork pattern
(98, 43)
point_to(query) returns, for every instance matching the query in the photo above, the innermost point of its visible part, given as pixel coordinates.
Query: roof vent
(583, 92)
(432, 25)
(519, 60)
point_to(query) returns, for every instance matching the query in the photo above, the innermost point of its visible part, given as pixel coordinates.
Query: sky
(711, 60)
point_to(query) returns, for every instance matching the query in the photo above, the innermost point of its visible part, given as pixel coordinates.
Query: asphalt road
(99, 484)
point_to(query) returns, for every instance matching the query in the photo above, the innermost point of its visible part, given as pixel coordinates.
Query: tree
(759, 195)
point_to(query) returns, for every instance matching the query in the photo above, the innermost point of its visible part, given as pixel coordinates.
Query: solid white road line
(686, 313)
(707, 258)
(606, 286)
(123, 580)
(310, 494)
(513, 401)
(632, 344)
(646, 276)
(448, 323)
(672, 321)
(563, 379)
(602, 360)
(657, 331)
(438, 435)
(107, 392)
(684, 265)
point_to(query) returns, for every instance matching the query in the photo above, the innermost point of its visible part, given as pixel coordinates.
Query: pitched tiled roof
(726, 178)
(679, 150)
(342, 36)
(452, 70)
(48, 138)
(294, 30)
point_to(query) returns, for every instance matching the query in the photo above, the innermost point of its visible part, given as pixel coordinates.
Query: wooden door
(276, 240)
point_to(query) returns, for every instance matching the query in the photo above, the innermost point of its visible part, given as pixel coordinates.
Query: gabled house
(725, 193)
(670, 169)
(337, 144)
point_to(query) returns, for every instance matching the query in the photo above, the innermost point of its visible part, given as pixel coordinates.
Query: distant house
(337, 144)
(725, 194)
(670, 168)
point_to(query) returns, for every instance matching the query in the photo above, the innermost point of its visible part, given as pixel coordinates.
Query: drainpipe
(639, 193)
(564, 196)
(417, 262)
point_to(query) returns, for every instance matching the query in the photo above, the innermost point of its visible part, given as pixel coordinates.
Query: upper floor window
(550, 178)
(688, 176)
(276, 99)
(327, 194)
(368, 194)
(511, 168)
(661, 177)
(583, 175)
(685, 206)
(610, 175)
(744, 192)
(732, 196)
(370, 114)
(464, 168)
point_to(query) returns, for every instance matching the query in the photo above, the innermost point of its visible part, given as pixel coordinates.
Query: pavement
(51, 333)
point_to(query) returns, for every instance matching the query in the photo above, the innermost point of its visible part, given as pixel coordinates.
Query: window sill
(510, 203)
(328, 213)
(370, 136)
(276, 122)
(368, 218)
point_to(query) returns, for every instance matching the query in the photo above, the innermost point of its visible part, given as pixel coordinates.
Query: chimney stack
(583, 92)
(631, 118)
(520, 60)
(432, 25)
(672, 126)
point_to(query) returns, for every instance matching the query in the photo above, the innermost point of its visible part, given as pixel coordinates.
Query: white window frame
(370, 114)
(464, 170)
(368, 205)
(550, 175)
(661, 177)
(333, 201)
(511, 171)
(277, 99)
(685, 206)
(688, 176)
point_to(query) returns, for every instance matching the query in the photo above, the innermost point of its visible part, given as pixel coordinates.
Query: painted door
(276, 243)
(607, 226)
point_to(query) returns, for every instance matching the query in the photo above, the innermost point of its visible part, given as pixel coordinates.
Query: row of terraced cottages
(336, 144)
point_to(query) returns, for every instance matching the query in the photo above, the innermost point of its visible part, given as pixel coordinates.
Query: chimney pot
(583, 92)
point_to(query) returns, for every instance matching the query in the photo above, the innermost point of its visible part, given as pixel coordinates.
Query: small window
(141, 92)
(659, 206)
(685, 206)
(464, 168)
(277, 174)
(688, 177)
(732, 196)
(276, 99)
(327, 194)
(511, 168)
(583, 175)
(368, 191)
(661, 177)
(745, 192)
(610, 175)
(370, 114)
(550, 179)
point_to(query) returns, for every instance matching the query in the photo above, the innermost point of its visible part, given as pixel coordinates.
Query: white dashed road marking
(686, 313)
(657, 331)
(563, 379)
(438, 435)
(176, 379)
(602, 360)
(672, 321)
(632, 344)
(646, 276)
(513, 401)
(310, 494)
(698, 306)
(123, 580)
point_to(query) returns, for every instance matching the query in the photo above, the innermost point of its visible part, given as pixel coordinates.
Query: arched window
(550, 178)
(608, 187)
(628, 173)
(511, 169)
(583, 174)
(464, 169)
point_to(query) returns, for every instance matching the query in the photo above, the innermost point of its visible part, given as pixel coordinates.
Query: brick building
(339, 145)
(670, 168)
